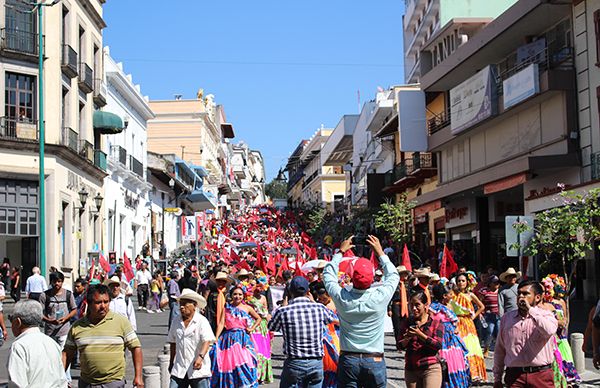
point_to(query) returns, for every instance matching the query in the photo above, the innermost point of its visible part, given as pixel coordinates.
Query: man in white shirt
(36, 284)
(190, 337)
(119, 302)
(35, 360)
(143, 277)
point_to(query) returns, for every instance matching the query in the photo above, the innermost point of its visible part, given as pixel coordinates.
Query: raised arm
(390, 273)
(330, 273)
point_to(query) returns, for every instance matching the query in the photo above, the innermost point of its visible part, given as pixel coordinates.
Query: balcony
(69, 61)
(100, 159)
(19, 44)
(86, 78)
(410, 173)
(99, 92)
(119, 154)
(438, 122)
(15, 129)
(86, 150)
(70, 139)
(424, 165)
(310, 178)
(136, 166)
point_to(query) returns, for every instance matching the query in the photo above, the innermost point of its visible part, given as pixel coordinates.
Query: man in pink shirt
(524, 345)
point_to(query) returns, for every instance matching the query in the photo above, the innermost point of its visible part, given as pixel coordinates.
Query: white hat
(435, 277)
(243, 272)
(222, 276)
(112, 280)
(510, 271)
(422, 273)
(402, 268)
(188, 294)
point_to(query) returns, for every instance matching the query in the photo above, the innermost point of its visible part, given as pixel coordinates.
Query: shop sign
(460, 213)
(521, 86)
(175, 210)
(545, 191)
(454, 213)
(473, 101)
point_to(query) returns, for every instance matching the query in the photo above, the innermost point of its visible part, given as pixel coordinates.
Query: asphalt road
(152, 330)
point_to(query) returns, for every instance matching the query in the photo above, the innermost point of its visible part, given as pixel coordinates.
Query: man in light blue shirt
(36, 284)
(361, 310)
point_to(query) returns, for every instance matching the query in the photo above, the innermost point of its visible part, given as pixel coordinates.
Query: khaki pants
(430, 377)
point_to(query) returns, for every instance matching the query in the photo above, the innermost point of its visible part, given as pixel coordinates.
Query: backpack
(47, 300)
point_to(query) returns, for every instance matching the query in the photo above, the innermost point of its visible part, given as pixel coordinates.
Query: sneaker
(140, 308)
(150, 311)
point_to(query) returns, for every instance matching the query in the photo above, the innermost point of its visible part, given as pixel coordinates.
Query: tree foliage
(566, 232)
(276, 189)
(396, 218)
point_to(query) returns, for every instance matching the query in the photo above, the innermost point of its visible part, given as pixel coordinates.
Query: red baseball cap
(362, 277)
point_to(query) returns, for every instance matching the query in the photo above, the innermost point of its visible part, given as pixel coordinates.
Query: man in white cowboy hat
(119, 302)
(190, 337)
(218, 289)
(243, 275)
(398, 308)
(507, 296)
(423, 276)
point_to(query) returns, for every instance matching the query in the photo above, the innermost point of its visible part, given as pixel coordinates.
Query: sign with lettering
(473, 101)
(460, 213)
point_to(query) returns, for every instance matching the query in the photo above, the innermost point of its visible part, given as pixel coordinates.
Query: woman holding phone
(421, 337)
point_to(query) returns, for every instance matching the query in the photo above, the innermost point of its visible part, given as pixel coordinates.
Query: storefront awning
(107, 123)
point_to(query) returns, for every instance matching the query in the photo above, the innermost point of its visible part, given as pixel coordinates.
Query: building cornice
(127, 90)
(93, 14)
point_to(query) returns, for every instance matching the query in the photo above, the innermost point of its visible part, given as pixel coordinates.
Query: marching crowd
(259, 276)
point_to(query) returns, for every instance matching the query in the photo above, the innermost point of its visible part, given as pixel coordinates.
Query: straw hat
(222, 276)
(112, 280)
(188, 294)
(422, 273)
(435, 277)
(242, 272)
(402, 268)
(510, 271)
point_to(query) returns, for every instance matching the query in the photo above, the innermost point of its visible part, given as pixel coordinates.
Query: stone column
(163, 364)
(578, 355)
(151, 376)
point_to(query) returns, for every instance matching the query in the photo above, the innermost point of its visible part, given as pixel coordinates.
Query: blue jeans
(302, 373)
(491, 332)
(355, 371)
(191, 383)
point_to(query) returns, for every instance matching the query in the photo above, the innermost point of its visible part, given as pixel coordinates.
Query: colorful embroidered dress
(453, 351)
(233, 357)
(331, 355)
(463, 307)
(566, 361)
(262, 343)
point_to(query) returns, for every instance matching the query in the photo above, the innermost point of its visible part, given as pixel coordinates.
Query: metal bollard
(167, 349)
(151, 376)
(578, 355)
(163, 364)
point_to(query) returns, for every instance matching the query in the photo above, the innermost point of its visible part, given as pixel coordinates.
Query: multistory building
(75, 165)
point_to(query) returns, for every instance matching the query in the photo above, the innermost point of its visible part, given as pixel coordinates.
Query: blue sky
(280, 68)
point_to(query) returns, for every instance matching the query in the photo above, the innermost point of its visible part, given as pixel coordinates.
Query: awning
(107, 123)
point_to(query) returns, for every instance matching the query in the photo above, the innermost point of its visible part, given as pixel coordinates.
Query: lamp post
(41, 133)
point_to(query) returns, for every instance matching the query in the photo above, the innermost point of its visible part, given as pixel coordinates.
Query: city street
(152, 329)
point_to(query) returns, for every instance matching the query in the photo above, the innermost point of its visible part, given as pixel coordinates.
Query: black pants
(186, 382)
(35, 295)
(142, 294)
(15, 293)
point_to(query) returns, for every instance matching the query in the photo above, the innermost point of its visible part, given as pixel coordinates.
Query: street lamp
(83, 194)
(41, 131)
(98, 201)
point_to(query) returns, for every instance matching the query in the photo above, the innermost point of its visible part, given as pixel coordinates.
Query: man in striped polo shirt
(101, 338)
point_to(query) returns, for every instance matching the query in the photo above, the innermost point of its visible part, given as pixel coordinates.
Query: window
(81, 45)
(20, 27)
(65, 26)
(597, 35)
(19, 97)
(65, 108)
(97, 63)
(81, 122)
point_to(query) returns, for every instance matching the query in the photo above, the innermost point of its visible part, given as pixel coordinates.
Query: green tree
(276, 189)
(565, 233)
(396, 218)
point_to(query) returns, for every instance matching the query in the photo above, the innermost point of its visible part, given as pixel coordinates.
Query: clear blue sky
(280, 68)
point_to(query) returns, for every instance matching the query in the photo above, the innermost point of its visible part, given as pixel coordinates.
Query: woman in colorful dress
(331, 343)
(261, 336)
(454, 351)
(234, 357)
(463, 307)
(560, 381)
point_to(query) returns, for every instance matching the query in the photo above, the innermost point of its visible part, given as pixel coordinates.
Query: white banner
(188, 228)
(473, 100)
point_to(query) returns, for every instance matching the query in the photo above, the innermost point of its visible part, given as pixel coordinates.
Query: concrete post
(578, 355)
(165, 376)
(151, 376)
(167, 349)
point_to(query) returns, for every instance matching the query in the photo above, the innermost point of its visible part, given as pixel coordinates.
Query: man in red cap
(361, 310)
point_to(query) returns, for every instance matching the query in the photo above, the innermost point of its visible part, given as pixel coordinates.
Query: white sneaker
(150, 311)
(141, 307)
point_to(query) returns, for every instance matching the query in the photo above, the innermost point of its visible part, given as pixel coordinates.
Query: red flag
(299, 257)
(285, 264)
(127, 270)
(234, 255)
(243, 264)
(374, 260)
(260, 263)
(448, 266)
(103, 263)
(306, 240)
(271, 268)
(406, 259)
(225, 255)
(298, 270)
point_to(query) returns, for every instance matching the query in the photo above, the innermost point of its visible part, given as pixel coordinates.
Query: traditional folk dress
(453, 350)
(234, 358)
(262, 343)
(463, 307)
(331, 355)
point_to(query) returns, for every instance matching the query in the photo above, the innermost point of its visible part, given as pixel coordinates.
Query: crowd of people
(260, 275)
